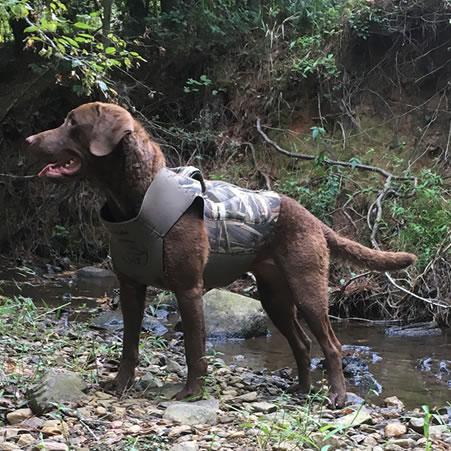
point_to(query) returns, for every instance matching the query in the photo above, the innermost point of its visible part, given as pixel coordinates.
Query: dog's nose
(30, 139)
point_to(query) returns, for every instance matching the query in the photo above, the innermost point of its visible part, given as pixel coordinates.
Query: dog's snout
(30, 139)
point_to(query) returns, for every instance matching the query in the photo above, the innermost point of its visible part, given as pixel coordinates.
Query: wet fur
(292, 269)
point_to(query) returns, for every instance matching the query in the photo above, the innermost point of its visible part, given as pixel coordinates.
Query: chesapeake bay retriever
(103, 144)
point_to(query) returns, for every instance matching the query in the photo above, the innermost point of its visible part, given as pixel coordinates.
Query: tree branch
(302, 156)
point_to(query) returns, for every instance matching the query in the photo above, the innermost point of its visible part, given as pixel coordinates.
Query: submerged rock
(113, 321)
(414, 330)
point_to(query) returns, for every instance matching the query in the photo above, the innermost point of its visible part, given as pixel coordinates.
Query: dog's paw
(299, 388)
(190, 393)
(118, 385)
(336, 400)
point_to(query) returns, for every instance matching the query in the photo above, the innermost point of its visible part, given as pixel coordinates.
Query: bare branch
(329, 161)
(18, 177)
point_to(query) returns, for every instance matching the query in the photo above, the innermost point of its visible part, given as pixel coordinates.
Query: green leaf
(70, 41)
(31, 29)
(86, 36)
(84, 26)
(110, 50)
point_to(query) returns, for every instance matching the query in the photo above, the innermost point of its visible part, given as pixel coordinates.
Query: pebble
(180, 430)
(7, 446)
(185, 446)
(25, 440)
(395, 429)
(264, 407)
(248, 397)
(406, 443)
(17, 416)
(49, 445)
(255, 401)
(54, 427)
(394, 401)
(9, 432)
(101, 411)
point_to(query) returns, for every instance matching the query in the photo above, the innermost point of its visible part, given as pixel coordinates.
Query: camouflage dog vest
(238, 222)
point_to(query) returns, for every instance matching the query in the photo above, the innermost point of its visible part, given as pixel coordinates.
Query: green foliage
(68, 239)
(319, 21)
(74, 40)
(317, 195)
(10, 10)
(425, 218)
(195, 85)
(77, 43)
(363, 18)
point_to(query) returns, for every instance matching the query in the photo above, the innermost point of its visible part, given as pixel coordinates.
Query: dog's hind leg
(304, 260)
(278, 303)
(309, 289)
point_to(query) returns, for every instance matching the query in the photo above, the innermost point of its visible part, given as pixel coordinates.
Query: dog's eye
(71, 122)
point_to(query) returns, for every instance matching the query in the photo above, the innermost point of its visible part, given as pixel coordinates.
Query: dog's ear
(111, 125)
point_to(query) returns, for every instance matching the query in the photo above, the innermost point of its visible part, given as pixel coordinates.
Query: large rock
(55, 387)
(93, 272)
(230, 315)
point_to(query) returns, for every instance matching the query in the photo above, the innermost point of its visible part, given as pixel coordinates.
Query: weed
(428, 418)
(320, 199)
(424, 220)
(211, 379)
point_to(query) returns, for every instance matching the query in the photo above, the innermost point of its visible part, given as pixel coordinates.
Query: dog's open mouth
(67, 167)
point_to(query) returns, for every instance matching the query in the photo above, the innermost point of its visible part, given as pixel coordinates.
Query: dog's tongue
(60, 168)
(44, 171)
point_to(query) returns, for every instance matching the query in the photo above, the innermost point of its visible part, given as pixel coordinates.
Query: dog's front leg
(132, 299)
(191, 309)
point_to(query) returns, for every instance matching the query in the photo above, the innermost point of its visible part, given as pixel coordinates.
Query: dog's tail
(361, 256)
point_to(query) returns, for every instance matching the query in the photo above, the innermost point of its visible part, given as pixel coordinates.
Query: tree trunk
(138, 12)
(168, 5)
(106, 23)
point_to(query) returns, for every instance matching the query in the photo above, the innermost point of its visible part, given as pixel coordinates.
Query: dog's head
(89, 132)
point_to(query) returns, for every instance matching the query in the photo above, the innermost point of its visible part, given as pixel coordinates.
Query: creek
(407, 367)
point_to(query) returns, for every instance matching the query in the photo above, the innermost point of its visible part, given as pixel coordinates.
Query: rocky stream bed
(51, 399)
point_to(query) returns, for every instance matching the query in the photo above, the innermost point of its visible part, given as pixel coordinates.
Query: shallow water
(393, 361)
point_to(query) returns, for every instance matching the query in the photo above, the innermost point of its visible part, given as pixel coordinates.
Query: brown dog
(105, 145)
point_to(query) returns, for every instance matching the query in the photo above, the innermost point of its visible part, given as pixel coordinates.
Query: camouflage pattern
(238, 220)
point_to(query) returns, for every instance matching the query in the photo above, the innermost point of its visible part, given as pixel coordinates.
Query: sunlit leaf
(83, 26)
